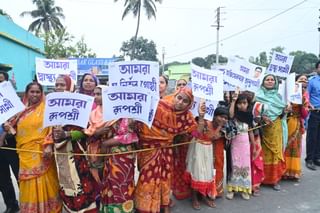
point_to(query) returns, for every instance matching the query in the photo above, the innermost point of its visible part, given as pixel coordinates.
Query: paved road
(293, 197)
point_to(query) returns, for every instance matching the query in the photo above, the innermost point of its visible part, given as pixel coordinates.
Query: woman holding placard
(117, 171)
(172, 118)
(37, 169)
(272, 139)
(295, 131)
(73, 170)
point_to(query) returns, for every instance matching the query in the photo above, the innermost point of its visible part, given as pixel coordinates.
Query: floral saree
(38, 181)
(155, 166)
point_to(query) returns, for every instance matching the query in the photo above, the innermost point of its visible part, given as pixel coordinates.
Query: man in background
(313, 131)
(8, 159)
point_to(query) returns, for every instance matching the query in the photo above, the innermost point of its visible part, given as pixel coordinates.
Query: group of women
(65, 168)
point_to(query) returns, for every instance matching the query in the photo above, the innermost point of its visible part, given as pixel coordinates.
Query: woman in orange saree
(295, 132)
(38, 181)
(155, 166)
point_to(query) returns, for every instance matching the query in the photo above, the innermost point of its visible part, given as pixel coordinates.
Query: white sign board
(134, 74)
(10, 103)
(207, 84)
(294, 89)
(65, 108)
(119, 102)
(47, 70)
(210, 108)
(243, 74)
(280, 64)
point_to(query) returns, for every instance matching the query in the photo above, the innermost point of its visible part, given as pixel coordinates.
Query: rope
(112, 154)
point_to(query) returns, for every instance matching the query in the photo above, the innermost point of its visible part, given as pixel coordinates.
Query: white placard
(226, 86)
(255, 79)
(134, 74)
(47, 70)
(10, 103)
(119, 102)
(65, 108)
(294, 89)
(207, 84)
(210, 108)
(280, 64)
(282, 91)
(243, 74)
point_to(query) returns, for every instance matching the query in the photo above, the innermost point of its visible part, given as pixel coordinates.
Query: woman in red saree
(78, 188)
(154, 184)
(117, 178)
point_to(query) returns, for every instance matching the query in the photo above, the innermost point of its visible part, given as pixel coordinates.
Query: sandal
(209, 202)
(276, 187)
(229, 195)
(196, 205)
(256, 193)
(245, 196)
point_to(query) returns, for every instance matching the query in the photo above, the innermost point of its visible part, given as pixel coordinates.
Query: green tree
(57, 43)
(261, 60)
(3, 13)
(211, 59)
(201, 62)
(60, 45)
(134, 7)
(145, 50)
(303, 62)
(81, 50)
(47, 17)
(208, 61)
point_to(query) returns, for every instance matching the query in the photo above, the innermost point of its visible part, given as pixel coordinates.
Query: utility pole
(163, 53)
(218, 25)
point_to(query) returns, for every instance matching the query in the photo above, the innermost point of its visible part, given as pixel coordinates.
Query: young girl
(239, 178)
(200, 172)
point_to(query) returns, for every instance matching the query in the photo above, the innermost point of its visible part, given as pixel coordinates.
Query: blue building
(18, 50)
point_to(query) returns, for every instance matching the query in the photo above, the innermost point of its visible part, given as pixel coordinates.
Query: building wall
(19, 48)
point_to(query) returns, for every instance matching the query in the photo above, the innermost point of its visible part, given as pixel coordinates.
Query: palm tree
(134, 6)
(47, 16)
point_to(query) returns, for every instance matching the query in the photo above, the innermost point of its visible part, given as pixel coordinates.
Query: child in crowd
(239, 176)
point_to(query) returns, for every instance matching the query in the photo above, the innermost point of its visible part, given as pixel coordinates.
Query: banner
(226, 86)
(65, 108)
(282, 91)
(96, 66)
(119, 102)
(294, 90)
(245, 75)
(135, 74)
(210, 105)
(10, 103)
(280, 64)
(207, 84)
(47, 70)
